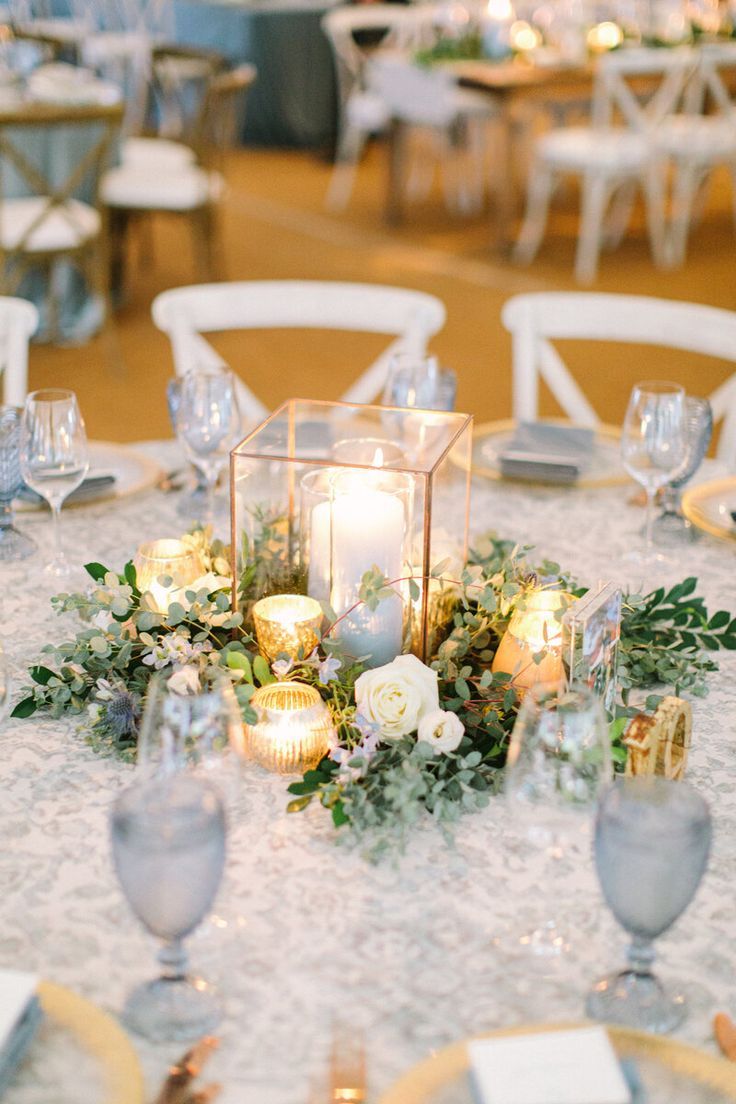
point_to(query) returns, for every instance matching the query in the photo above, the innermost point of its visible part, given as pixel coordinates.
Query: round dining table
(308, 937)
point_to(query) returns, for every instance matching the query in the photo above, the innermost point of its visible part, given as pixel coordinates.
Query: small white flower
(397, 695)
(185, 680)
(442, 729)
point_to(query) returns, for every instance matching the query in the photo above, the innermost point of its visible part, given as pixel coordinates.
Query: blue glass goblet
(14, 545)
(652, 840)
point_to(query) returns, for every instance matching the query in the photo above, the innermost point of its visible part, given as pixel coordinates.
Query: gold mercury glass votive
(166, 557)
(293, 729)
(287, 624)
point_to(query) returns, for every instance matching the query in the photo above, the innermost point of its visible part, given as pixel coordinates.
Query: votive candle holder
(294, 728)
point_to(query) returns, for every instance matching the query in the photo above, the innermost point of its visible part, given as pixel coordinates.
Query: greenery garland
(376, 787)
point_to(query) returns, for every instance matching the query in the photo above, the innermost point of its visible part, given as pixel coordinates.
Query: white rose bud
(442, 729)
(397, 695)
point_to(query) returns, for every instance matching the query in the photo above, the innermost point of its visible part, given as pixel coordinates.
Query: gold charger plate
(101, 1036)
(709, 507)
(448, 1068)
(610, 473)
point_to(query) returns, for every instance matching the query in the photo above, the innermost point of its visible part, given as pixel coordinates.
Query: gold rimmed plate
(490, 439)
(712, 507)
(668, 1070)
(80, 1053)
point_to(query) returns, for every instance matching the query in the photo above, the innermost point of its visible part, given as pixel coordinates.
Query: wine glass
(14, 545)
(653, 448)
(559, 760)
(168, 844)
(54, 457)
(652, 840)
(200, 732)
(192, 499)
(208, 422)
(698, 432)
(419, 381)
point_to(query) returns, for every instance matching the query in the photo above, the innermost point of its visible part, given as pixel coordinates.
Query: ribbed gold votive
(287, 624)
(293, 729)
(166, 557)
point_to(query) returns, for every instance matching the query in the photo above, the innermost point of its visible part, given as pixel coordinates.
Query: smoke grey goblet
(14, 545)
(652, 841)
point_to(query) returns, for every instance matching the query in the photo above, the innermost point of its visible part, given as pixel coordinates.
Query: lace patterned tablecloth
(416, 952)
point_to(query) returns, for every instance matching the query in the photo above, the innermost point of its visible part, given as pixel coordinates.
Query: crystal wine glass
(698, 432)
(168, 844)
(419, 381)
(653, 448)
(200, 732)
(54, 456)
(652, 840)
(192, 500)
(208, 422)
(558, 762)
(14, 545)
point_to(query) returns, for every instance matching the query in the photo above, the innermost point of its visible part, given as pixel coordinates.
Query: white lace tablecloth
(415, 952)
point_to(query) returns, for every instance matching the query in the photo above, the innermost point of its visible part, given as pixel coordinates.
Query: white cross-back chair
(538, 319)
(611, 159)
(696, 143)
(18, 323)
(184, 314)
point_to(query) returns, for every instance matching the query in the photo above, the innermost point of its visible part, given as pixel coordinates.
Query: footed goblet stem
(641, 955)
(173, 960)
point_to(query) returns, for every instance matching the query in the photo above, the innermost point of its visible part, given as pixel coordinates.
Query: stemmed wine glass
(652, 840)
(559, 760)
(208, 423)
(200, 732)
(54, 457)
(698, 432)
(653, 448)
(168, 844)
(14, 545)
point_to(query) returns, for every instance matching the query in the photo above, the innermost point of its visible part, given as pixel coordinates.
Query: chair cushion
(154, 188)
(578, 148)
(367, 111)
(697, 137)
(146, 152)
(66, 227)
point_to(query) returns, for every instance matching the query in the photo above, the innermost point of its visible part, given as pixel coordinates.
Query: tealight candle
(294, 728)
(165, 567)
(604, 36)
(287, 624)
(534, 630)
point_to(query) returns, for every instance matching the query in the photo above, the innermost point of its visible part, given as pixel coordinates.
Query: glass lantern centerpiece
(324, 492)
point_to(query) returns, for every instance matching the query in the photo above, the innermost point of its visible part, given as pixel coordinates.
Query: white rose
(397, 696)
(442, 729)
(184, 681)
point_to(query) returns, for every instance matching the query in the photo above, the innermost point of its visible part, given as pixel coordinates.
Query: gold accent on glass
(293, 730)
(166, 558)
(287, 624)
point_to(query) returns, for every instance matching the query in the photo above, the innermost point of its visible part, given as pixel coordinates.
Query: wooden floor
(274, 225)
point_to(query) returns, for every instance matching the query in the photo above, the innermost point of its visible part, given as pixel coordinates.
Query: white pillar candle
(368, 528)
(318, 580)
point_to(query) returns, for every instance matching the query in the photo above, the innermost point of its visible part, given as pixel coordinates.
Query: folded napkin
(550, 1067)
(20, 1015)
(547, 452)
(90, 488)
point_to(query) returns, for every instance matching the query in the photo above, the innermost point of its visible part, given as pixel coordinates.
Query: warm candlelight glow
(524, 37)
(604, 36)
(531, 631)
(293, 730)
(165, 567)
(501, 10)
(287, 624)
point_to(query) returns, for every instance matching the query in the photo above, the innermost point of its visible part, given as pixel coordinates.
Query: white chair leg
(683, 192)
(422, 163)
(654, 196)
(595, 193)
(540, 190)
(620, 215)
(732, 169)
(348, 155)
